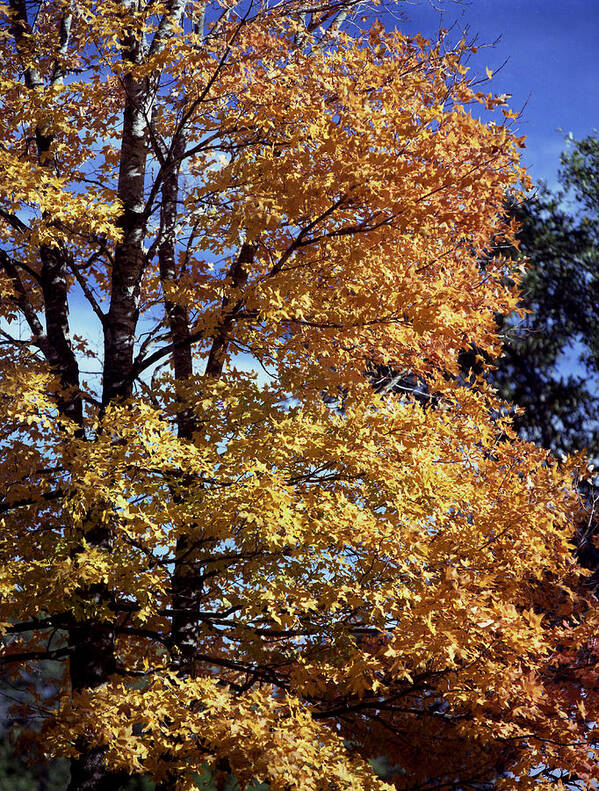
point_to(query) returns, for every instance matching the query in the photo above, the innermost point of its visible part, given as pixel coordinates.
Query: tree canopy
(549, 363)
(248, 560)
(559, 238)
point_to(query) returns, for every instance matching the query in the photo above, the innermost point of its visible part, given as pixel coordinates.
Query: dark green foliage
(18, 773)
(550, 365)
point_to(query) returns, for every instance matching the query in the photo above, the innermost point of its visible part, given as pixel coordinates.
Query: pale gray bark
(130, 258)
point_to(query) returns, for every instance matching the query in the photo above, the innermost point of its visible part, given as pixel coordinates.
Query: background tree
(550, 361)
(549, 365)
(277, 578)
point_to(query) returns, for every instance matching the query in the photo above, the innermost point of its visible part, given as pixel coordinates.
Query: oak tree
(247, 559)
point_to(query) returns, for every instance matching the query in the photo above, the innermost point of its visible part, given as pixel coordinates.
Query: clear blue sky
(553, 66)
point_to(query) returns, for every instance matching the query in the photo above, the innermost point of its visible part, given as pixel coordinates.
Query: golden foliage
(360, 574)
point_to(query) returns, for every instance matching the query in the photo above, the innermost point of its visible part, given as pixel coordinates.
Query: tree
(560, 292)
(273, 576)
(559, 238)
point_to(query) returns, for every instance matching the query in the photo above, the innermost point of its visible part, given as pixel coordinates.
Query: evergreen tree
(550, 362)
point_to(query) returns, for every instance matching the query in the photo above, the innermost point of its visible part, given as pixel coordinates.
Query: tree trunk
(93, 660)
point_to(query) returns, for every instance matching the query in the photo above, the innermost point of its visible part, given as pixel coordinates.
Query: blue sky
(553, 66)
